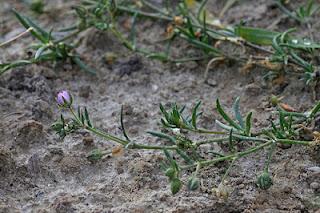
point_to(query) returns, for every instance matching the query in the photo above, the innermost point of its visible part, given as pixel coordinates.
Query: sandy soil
(40, 173)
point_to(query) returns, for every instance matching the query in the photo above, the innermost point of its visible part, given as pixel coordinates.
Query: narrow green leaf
(164, 112)
(185, 157)
(7, 66)
(25, 23)
(86, 116)
(40, 51)
(168, 155)
(82, 65)
(231, 144)
(282, 121)
(158, 56)
(226, 117)
(223, 126)
(133, 31)
(248, 124)
(315, 110)
(40, 34)
(237, 113)
(202, 45)
(163, 136)
(195, 114)
(122, 125)
(79, 111)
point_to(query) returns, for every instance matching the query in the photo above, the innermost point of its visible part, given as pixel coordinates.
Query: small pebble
(253, 90)
(315, 169)
(315, 185)
(287, 189)
(155, 88)
(87, 140)
(212, 82)
(241, 186)
(284, 146)
(85, 91)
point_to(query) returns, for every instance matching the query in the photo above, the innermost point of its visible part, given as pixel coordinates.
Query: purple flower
(64, 99)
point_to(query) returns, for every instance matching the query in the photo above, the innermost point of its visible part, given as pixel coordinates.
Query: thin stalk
(197, 169)
(148, 147)
(153, 7)
(167, 18)
(119, 140)
(228, 170)
(106, 135)
(75, 116)
(240, 137)
(272, 148)
(287, 141)
(229, 157)
(215, 140)
(286, 11)
(247, 152)
(68, 36)
(96, 131)
(146, 14)
(204, 131)
(16, 37)
(202, 5)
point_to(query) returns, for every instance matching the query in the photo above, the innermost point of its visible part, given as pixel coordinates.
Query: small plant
(303, 13)
(37, 6)
(48, 48)
(182, 154)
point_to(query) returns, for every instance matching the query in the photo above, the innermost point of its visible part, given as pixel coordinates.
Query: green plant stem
(106, 135)
(240, 137)
(202, 5)
(169, 18)
(119, 140)
(74, 115)
(287, 141)
(229, 157)
(272, 148)
(153, 7)
(205, 131)
(197, 169)
(146, 14)
(228, 170)
(148, 147)
(123, 40)
(215, 140)
(247, 152)
(124, 142)
(98, 132)
(68, 36)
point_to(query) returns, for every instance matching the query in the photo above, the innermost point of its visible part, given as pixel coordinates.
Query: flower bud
(95, 155)
(222, 191)
(64, 99)
(193, 183)
(170, 173)
(264, 181)
(175, 185)
(118, 151)
(178, 20)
